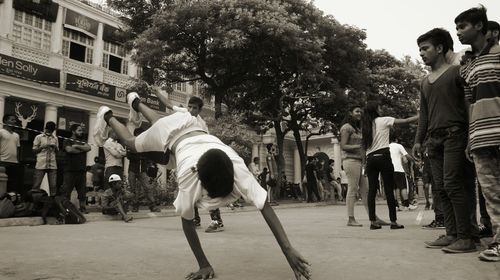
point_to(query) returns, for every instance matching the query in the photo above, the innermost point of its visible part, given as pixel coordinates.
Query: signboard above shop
(81, 23)
(26, 70)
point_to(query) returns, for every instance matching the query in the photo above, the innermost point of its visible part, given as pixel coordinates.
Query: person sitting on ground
(113, 198)
(210, 175)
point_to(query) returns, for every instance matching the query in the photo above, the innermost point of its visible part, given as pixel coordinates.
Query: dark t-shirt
(74, 162)
(442, 103)
(310, 168)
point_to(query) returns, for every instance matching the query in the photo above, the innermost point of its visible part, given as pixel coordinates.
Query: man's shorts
(400, 180)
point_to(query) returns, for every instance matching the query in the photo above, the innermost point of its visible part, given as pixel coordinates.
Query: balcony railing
(30, 54)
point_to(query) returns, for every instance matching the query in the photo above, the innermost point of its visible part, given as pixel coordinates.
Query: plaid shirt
(46, 158)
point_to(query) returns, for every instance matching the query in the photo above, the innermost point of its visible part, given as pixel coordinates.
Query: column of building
(2, 107)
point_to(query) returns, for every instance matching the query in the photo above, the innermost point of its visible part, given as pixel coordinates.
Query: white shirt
(185, 110)
(9, 142)
(114, 153)
(397, 154)
(381, 129)
(191, 193)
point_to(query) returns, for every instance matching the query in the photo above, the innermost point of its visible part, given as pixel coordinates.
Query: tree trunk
(280, 137)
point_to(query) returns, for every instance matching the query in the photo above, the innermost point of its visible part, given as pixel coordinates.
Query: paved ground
(155, 248)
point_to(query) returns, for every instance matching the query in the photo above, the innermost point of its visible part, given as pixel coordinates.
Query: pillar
(296, 166)
(255, 151)
(6, 17)
(337, 156)
(98, 46)
(94, 152)
(57, 32)
(2, 108)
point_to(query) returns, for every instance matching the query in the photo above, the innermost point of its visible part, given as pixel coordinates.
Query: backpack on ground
(7, 208)
(71, 213)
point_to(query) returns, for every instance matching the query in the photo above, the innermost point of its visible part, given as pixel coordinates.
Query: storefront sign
(90, 87)
(153, 102)
(81, 23)
(28, 71)
(45, 9)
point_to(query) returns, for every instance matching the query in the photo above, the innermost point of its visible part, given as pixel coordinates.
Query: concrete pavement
(157, 249)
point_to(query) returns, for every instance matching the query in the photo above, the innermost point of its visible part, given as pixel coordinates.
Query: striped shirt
(482, 89)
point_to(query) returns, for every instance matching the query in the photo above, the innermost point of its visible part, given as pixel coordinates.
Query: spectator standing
(74, 170)
(376, 131)
(254, 167)
(114, 153)
(312, 179)
(138, 178)
(481, 74)
(97, 171)
(9, 145)
(399, 156)
(45, 146)
(344, 182)
(443, 127)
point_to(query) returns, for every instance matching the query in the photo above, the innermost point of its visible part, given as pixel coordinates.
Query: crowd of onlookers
(92, 183)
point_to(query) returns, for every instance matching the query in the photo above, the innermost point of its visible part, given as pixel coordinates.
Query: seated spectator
(113, 199)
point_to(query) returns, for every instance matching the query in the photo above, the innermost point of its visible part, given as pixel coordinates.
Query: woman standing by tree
(375, 131)
(352, 161)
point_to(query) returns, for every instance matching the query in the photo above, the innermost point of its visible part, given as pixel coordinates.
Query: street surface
(155, 248)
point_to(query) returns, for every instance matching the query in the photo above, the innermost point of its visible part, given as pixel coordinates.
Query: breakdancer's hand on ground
(203, 273)
(299, 265)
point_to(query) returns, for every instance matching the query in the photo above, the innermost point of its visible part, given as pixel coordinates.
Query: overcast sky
(394, 25)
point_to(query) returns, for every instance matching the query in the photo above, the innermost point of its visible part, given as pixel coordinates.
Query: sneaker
(353, 223)
(440, 242)
(397, 226)
(374, 226)
(134, 117)
(214, 227)
(485, 231)
(434, 225)
(412, 207)
(460, 246)
(492, 254)
(101, 129)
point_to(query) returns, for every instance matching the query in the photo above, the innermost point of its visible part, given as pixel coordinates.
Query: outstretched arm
(206, 271)
(298, 264)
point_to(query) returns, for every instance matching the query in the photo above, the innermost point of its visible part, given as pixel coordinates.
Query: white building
(60, 60)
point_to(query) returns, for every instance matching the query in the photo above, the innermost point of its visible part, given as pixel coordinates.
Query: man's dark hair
(196, 100)
(216, 173)
(50, 126)
(493, 26)
(437, 36)
(330, 161)
(138, 131)
(6, 117)
(474, 16)
(74, 127)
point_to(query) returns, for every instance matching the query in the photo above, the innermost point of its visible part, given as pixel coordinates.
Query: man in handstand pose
(210, 175)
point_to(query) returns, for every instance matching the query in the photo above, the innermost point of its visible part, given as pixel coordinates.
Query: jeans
(379, 162)
(75, 179)
(454, 179)
(138, 181)
(485, 217)
(356, 182)
(487, 162)
(51, 176)
(12, 170)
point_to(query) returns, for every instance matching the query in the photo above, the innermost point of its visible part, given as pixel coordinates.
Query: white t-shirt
(191, 193)
(397, 154)
(8, 146)
(185, 110)
(381, 129)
